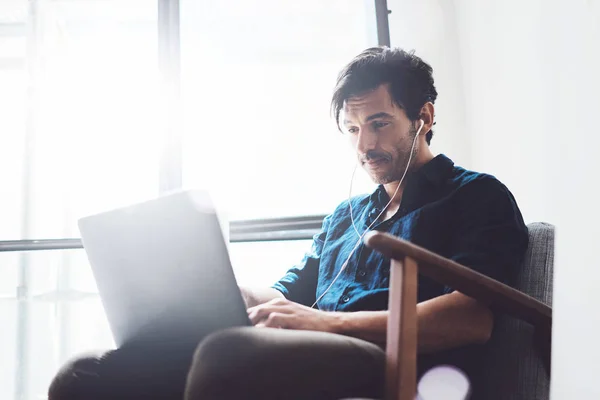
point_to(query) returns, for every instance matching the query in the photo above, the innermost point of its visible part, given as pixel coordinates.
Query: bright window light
(257, 81)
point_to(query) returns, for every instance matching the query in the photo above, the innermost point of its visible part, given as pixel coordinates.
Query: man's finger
(257, 316)
(275, 302)
(263, 311)
(278, 320)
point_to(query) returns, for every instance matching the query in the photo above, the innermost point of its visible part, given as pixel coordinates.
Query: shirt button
(362, 273)
(345, 299)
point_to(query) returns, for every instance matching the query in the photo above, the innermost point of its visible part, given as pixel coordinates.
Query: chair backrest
(513, 369)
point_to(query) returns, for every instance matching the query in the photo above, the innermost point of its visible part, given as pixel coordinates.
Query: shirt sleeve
(491, 237)
(299, 284)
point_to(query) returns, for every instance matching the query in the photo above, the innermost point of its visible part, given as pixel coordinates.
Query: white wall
(429, 27)
(506, 94)
(489, 72)
(523, 78)
(574, 53)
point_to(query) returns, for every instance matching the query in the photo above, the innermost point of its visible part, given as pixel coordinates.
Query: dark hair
(410, 79)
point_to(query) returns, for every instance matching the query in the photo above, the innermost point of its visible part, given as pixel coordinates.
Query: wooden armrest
(494, 294)
(408, 260)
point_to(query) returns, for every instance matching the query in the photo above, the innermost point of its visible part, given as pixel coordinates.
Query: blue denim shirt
(468, 217)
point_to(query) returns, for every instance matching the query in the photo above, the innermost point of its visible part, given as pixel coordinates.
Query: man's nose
(366, 141)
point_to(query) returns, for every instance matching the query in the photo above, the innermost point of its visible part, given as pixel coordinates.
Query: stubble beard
(400, 159)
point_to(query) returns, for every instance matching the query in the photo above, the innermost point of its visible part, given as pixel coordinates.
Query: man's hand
(285, 314)
(445, 322)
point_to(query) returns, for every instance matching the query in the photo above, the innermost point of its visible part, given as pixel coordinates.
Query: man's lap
(236, 363)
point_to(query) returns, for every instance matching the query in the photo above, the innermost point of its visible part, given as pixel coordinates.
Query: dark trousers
(237, 363)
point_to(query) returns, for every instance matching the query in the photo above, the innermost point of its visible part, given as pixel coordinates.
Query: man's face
(380, 132)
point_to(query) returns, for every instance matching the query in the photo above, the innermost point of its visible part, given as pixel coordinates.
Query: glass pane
(12, 144)
(9, 274)
(13, 49)
(8, 351)
(61, 316)
(257, 81)
(13, 12)
(58, 331)
(261, 264)
(13, 81)
(94, 108)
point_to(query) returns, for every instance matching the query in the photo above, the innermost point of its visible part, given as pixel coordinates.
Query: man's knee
(75, 380)
(225, 362)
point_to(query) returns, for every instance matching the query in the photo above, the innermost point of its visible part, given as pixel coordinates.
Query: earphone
(360, 236)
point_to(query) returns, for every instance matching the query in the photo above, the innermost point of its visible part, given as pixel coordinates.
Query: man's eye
(380, 124)
(353, 130)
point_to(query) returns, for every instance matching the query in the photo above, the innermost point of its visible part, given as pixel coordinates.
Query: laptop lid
(162, 268)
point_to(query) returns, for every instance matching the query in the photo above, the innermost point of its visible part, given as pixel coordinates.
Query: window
(84, 128)
(257, 78)
(13, 84)
(92, 122)
(79, 132)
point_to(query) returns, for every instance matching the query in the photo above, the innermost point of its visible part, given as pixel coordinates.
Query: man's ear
(427, 114)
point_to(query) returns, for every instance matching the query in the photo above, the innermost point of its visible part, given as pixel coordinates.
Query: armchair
(518, 354)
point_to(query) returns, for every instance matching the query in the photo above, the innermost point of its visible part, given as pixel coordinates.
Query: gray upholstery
(513, 369)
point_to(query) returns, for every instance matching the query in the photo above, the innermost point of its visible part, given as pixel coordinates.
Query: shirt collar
(434, 171)
(437, 170)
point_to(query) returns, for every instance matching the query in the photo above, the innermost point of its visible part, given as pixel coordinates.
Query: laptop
(163, 270)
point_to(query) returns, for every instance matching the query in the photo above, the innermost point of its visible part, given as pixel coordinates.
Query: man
(328, 314)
